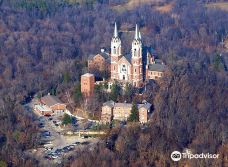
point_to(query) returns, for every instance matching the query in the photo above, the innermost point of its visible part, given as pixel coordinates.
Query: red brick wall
(87, 85)
(97, 63)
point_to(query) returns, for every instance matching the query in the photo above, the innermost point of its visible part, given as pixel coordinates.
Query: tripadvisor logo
(176, 155)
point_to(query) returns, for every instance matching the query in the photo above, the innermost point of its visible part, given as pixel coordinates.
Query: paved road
(58, 140)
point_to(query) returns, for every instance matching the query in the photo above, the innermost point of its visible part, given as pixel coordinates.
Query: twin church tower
(127, 68)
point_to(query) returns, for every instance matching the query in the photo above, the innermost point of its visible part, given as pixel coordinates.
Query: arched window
(135, 52)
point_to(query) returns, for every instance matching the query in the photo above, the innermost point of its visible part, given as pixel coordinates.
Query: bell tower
(137, 71)
(115, 53)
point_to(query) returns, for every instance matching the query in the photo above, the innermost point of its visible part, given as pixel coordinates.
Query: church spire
(136, 32)
(140, 37)
(115, 31)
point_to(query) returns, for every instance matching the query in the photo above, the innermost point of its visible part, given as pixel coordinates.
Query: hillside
(132, 4)
(45, 45)
(218, 5)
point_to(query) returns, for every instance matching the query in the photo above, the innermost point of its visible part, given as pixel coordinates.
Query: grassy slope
(219, 5)
(131, 4)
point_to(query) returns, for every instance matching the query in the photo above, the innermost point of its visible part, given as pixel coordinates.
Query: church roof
(128, 57)
(157, 67)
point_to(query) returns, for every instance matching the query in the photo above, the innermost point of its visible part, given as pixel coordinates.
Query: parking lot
(53, 145)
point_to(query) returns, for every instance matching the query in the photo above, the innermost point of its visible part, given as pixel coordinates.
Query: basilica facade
(127, 68)
(135, 67)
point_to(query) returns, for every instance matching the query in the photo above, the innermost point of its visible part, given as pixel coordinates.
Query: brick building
(87, 84)
(131, 67)
(154, 68)
(100, 63)
(121, 111)
(44, 110)
(52, 103)
(107, 112)
(144, 110)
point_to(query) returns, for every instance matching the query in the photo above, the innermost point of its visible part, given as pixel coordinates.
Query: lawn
(219, 5)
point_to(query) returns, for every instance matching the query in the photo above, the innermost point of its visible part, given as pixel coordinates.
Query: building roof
(128, 57)
(42, 108)
(145, 105)
(91, 56)
(109, 103)
(50, 100)
(108, 60)
(157, 67)
(103, 54)
(87, 75)
(127, 105)
(158, 61)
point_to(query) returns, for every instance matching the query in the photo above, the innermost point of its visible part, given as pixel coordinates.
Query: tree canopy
(134, 116)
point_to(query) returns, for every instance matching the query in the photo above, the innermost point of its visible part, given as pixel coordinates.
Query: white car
(48, 148)
(54, 156)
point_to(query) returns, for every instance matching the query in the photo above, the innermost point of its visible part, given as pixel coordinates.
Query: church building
(135, 67)
(130, 67)
(127, 68)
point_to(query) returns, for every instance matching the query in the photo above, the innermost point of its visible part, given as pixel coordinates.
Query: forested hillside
(42, 41)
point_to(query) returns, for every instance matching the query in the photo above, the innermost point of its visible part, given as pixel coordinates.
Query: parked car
(85, 143)
(48, 148)
(46, 157)
(65, 149)
(41, 125)
(54, 156)
(71, 146)
(46, 134)
(77, 143)
(58, 151)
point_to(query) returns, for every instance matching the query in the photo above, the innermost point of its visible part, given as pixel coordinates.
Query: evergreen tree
(77, 93)
(115, 91)
(53, 91)
(66, 77)
(134, 116)
(67, 119)
(128, 93)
